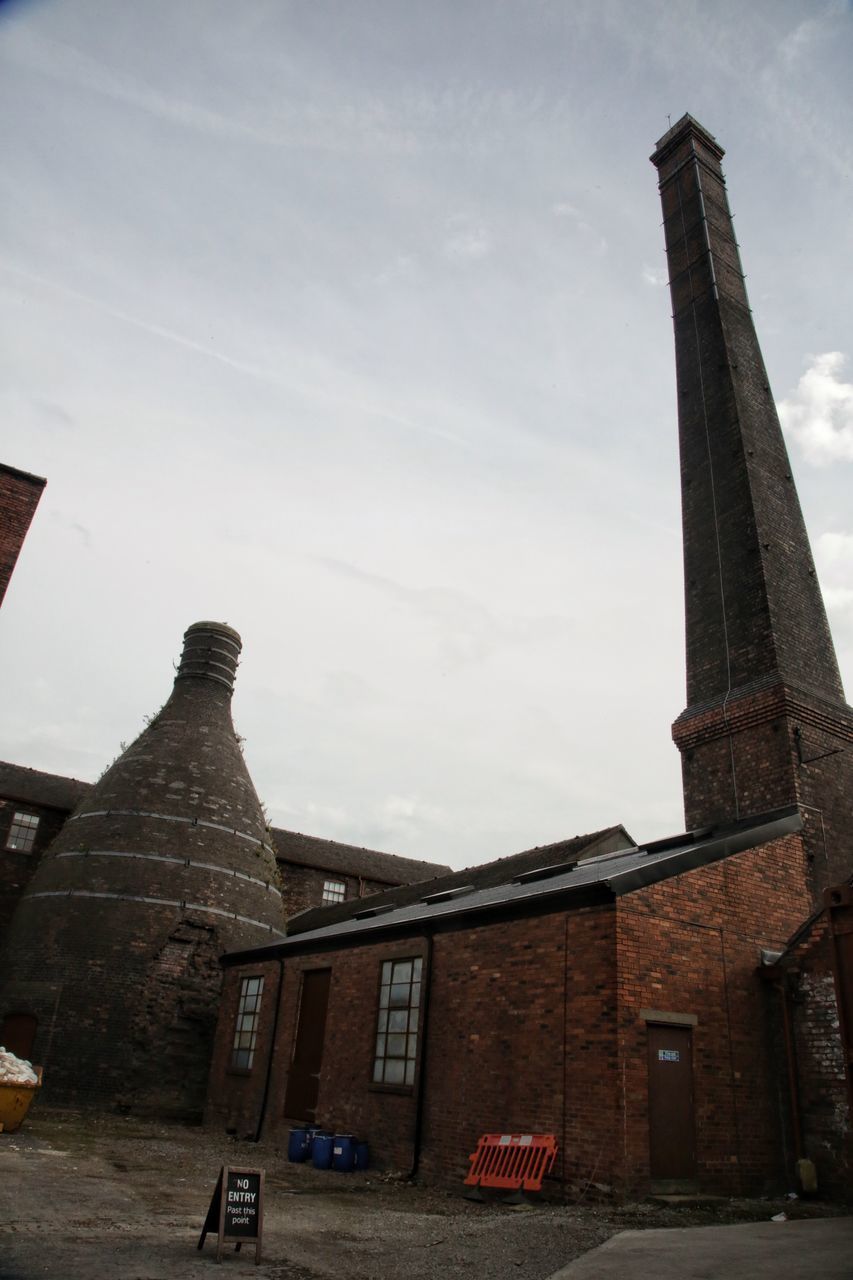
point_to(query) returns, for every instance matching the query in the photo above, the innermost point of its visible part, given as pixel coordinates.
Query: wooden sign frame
(216, 1219)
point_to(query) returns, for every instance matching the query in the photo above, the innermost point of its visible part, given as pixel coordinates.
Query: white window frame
(28, 825)
(334, 891)
(246, 1024)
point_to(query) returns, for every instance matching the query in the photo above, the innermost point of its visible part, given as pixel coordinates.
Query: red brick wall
(347, 1102)
(773, 768)
(235, 1098)
(522, 1040)
(19, 497)
(692, 945)
(510, 1005)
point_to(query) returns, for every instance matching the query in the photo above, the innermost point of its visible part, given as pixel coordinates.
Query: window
(246, 1031)
(334, 890)
(22, 833)
(397, 1026)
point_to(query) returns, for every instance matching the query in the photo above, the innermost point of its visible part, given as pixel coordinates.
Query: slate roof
(585, 879)
(485, 876)
(351, 860)
(31, 786)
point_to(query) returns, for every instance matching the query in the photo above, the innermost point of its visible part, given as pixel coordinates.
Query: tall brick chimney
(165, 864)
(766, 723)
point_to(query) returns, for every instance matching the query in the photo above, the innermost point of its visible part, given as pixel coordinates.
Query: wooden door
(303, 1081)
(18, 1034)
(672, 1131)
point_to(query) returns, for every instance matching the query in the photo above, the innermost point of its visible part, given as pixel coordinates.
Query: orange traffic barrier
(512, 1161)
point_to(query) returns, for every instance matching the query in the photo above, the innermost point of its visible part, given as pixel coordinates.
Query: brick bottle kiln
(114, 949)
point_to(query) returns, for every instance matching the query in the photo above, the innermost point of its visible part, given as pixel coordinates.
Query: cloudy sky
(346, 323)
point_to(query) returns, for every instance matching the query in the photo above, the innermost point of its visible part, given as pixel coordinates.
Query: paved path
(822, 1248)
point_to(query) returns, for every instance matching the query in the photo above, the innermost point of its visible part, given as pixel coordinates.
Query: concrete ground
(87, 1197)
(747, 1251)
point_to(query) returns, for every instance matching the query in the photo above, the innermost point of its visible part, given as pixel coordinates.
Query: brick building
(33, 810)
(546, 984)
(19, 496)
(607, 993)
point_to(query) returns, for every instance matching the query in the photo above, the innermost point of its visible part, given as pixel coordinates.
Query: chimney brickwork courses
(164, 864)
(19, 496)
(766, 723)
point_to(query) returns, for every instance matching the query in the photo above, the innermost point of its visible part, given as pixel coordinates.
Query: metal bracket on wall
(801, 759)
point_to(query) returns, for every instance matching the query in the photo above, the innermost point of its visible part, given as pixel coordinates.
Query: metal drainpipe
(264, 1099)
(420, 1096)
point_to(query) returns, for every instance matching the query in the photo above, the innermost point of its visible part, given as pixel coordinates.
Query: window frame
(30, 826)
(333, 885)
(398, 1087)
(235, 1068)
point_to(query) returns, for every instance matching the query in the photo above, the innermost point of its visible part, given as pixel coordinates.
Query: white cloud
(834, 558)
(565, 210)
(466, 239)
(834, 555)
(818, 414)
(655, 276)
(804, 38)
(576, 219)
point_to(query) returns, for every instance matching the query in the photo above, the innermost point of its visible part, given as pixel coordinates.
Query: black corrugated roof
(487, 875)
(601, 878)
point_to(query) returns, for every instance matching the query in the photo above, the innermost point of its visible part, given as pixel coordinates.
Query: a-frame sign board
(236, 1210)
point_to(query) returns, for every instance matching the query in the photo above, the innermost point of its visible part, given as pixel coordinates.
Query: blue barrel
(298, 1145)
(321, 1150)
(362, 1155)
(343, 1153)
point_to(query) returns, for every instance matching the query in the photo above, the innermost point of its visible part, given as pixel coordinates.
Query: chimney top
(686, 127)
(211, 652)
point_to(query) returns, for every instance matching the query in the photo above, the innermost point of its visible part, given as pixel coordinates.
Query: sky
(347, 324)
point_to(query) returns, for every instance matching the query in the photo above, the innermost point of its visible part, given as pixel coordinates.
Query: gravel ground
(113, 1198)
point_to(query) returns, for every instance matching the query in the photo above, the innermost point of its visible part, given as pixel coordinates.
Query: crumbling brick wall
(808, 979)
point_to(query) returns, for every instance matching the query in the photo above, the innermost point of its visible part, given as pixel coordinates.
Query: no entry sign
(236, 1210)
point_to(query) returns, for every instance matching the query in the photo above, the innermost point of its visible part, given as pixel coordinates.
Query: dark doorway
(672, 1132)
(303, 1082)
(18, 1034)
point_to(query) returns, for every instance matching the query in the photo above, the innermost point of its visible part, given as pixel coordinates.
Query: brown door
(672, 1140)
(18, 1033)
(303, 1082)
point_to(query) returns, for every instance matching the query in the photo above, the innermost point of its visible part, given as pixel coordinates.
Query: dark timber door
(18, 1033)
(672, 1140)
(303, 1082)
